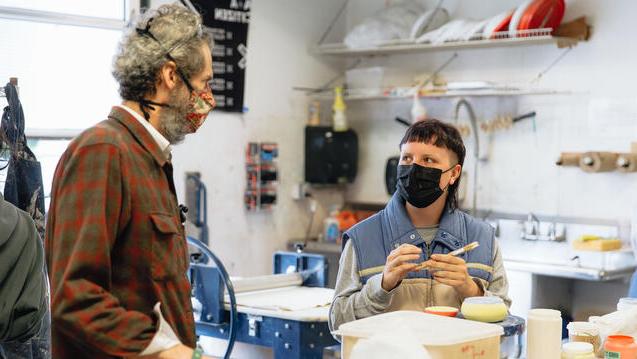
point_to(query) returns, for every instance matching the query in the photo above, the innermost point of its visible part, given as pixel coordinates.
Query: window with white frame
(61, 52)
(98, 9)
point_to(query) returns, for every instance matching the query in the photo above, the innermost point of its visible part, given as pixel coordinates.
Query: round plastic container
(443, 337)
(577, 350)
(585, 332)
(627, 303)
(484, 309)
(620, 346)
(544, 334)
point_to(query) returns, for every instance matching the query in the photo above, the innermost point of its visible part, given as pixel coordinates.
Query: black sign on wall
(227, 22)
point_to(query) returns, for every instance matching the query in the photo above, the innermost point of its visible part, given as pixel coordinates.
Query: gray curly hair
(178, 33)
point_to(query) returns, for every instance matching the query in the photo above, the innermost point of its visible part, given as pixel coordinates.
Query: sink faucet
(534, 222)
(532, 232)
(476, 147)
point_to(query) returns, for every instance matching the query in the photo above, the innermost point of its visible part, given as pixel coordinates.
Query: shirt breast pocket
(167, 248)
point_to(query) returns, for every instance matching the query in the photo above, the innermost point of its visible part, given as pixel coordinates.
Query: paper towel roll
(627, 162)
(595, 162)
(570, 159)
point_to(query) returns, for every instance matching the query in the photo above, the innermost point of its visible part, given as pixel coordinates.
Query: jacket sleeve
(87, 206)
(352, 299)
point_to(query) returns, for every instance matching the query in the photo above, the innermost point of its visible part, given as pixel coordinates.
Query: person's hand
(453, 271)
(397, 265)
(177, 352)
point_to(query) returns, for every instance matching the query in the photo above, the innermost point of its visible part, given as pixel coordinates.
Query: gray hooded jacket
(22, 277)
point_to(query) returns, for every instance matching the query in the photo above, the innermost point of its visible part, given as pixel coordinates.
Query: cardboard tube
(569, 159)
(267, 282)
(627, 162)
(595, 162)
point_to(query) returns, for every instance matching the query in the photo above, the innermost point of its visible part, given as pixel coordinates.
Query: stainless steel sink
(559, 259)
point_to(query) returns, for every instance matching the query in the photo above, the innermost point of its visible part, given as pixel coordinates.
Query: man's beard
(172, 119)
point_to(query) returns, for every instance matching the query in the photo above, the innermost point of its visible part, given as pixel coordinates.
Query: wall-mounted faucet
(534, 223)
(532, 230)
(476, 147)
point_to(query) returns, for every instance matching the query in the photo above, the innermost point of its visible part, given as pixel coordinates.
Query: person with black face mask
(419, 185)
(399, 258)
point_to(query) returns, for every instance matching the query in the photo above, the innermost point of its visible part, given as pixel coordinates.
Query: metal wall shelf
(523, 38)
(451, 94)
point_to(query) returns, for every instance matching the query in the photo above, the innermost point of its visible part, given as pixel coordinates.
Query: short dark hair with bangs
(442, 135)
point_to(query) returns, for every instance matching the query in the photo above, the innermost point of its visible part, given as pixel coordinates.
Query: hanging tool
(504, 122)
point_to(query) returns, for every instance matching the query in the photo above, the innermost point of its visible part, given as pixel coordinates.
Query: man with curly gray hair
(155, 67)
(115, 243)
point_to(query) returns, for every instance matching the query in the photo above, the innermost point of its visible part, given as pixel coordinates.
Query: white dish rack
(498, 39)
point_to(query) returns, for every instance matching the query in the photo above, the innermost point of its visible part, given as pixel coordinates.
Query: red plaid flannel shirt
(115, 245)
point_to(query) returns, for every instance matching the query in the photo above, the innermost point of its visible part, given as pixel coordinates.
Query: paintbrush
(469, 247)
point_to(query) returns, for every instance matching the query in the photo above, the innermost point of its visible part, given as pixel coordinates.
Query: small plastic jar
(577, 350)
(585, 332)
(484, 309)
(620, 347)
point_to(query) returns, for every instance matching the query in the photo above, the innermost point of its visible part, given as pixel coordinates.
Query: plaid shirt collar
(163, 143)
(142, 134)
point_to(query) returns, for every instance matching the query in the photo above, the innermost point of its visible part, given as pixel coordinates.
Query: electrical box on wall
(196, 209)
(261, 175)
(331, 157)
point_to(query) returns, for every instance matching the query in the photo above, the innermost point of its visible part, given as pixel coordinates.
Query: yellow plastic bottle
(339, 120)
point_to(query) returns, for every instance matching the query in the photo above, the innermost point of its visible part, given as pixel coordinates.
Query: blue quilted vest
(374, 238)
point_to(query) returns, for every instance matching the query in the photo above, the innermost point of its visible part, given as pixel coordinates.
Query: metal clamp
(253, 325)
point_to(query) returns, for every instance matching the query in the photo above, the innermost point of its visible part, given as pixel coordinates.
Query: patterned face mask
(201, 103)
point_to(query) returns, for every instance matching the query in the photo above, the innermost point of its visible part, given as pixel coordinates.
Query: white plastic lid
(577, 348)
(428, 329)
(389, 346)
(483, 300)
(625, 303)
(545, 313)
(583, 327)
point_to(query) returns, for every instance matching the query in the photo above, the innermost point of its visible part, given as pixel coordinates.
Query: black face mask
(418, 185)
